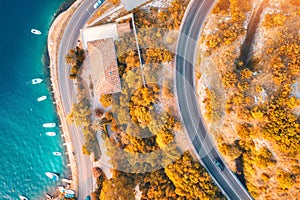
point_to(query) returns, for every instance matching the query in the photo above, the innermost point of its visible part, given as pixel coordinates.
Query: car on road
(219, 164)
(97, 4)
(88, 198)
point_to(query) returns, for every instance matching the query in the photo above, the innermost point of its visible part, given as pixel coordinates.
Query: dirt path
(251, 30)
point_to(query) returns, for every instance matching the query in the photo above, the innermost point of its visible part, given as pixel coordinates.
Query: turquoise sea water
(25, 150)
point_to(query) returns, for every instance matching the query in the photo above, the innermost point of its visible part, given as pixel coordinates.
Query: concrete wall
(131, 4)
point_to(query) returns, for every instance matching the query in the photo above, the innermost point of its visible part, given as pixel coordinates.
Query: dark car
(219, 164)
(88, 198)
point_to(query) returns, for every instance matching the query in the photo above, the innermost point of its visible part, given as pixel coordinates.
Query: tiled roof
(104, 68)
(123, 27)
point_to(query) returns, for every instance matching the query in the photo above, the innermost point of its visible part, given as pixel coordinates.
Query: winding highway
(67, 92)
(192, 23)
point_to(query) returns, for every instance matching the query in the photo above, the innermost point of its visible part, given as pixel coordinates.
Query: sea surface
(25, 150)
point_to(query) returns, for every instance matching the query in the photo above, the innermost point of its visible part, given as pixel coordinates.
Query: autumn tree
(75, 58)
(105, 100)
(156, 185)
(141, 104)
(119, 187)
(285, 179)
(191, 180)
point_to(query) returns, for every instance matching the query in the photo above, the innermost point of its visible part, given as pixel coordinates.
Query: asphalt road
(191, 116)
(67, 91)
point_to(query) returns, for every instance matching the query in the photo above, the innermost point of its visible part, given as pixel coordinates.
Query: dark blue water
(25, 150)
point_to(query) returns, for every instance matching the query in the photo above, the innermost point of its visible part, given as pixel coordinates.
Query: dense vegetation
(75, 58)
(81, 116)
(141, 134)
(260, 131)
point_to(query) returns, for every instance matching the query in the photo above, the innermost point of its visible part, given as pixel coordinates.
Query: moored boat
(69, 192)
(52, 175)
(49, 125)
(42, 98)
(36, 81)
(36, 32)
(66, 191)
(57, 153)
(21, 197)
(50, 133)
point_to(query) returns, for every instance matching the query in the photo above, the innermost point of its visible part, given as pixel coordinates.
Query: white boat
(52, 175)
(69, 192)
(36, 32)
(56, 153)
(42, 98)
(21, 197)
(36, 81)
(50, 133)
(49, 125)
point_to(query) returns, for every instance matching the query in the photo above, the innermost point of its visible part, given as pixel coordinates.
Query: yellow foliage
(229, 150)
(158, 55)
(164, 138)
(274, 19)
(212, 105)
(244, 131)
(117, 188)
(237, 99)
(246, 73)
(191, 180)
(141, 105)
(243, 86)
(156, 185)
(285, 179)
(105, 100)
(265, 177)
(229, 79)
(221, 7)
(257, 114)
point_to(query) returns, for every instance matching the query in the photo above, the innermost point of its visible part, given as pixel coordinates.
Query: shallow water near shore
(25, 150)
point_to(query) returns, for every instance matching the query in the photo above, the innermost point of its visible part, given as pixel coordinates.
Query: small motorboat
(57, 153)
(42, 98)
(49, 125)
(69, 192)
(50, 133)
(36, 32)
(52, 175)
(21, 197)
(36, 81)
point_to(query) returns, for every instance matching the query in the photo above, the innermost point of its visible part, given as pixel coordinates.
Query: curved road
(184, 81)
(67, 92)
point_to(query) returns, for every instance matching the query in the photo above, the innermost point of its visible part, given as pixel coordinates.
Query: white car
(97, 4)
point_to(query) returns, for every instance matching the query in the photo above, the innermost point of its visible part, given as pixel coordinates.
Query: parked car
(219, 164)
(97, 4)
(88, 198)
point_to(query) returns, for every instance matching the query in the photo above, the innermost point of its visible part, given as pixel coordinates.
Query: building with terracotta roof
(98, 41)
(104, 67)
(123, 27)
